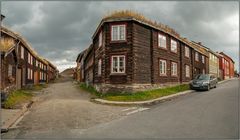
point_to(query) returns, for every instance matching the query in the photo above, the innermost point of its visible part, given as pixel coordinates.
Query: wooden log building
(21, 66)
(132, 53)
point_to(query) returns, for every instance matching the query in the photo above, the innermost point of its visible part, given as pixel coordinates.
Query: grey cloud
(65, 28)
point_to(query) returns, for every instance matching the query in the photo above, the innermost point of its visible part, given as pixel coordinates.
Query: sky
(59, 31)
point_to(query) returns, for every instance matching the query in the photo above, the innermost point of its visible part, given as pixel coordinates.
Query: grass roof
(140, 17)
(6, 44)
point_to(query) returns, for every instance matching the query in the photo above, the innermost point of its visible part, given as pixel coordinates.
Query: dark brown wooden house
(18, 57)
(132, 53)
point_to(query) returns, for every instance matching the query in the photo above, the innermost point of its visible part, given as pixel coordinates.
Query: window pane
(114, 33)
(122, 32)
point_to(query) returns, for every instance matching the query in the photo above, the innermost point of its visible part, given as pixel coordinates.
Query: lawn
(137, 96)
(16, 98)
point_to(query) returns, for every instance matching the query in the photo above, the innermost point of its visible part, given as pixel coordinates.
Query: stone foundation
(123, 88)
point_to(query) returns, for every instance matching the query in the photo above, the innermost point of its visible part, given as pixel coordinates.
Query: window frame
(173, 40)
(159, 42)
(118, 64)
(10, 69)
(187, 53)
(172, 70)
(196, 56)
(99, 67)
(118, 32)
(22, 52)
(203, 59)
(100, 39)
(187, 75)
(160, 69)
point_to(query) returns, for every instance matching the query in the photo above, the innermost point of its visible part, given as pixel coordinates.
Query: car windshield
(202, 77)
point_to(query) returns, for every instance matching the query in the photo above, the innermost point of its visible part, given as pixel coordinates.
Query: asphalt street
(199, 115)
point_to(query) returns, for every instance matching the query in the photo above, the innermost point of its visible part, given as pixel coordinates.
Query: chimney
(200, 43)
(2, 17)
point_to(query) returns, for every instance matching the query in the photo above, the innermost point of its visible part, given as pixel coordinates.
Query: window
(173, 46)
(22, 52)
(29, 58)
(118, 64)
(29, 73)
(187, 51)
(100, 39)
(36, 63)
(162, 41)
(196, 56)
(203, 71)
(163, 67)
(99, 66)
(118, 32)
(187, 71)
(203, 59)
(9, 70)
(174, 69)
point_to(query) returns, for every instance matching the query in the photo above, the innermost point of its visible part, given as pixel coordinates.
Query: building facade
(130, 54)
(226, 66)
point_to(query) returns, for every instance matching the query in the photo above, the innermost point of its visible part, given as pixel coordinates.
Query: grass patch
(16, 98)
(137, 96)
(90, 89)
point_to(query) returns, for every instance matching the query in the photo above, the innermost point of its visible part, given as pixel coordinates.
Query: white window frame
(187, 71)
(187, 51)
(174, 67)
(162, 67)
(10, 68)
(118, 32)
(100, 39)
(173, 45)
(162, 41)
(100, 67)
(29, 58)
(118, 64)
(203, 59)
(196, 56)
(22, 52)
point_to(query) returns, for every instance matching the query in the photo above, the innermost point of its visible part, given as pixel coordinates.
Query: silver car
(204, 82)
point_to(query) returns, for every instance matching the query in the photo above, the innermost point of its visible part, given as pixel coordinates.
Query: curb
(12, 120)
(148, 102)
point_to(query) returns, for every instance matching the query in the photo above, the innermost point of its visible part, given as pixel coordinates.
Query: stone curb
(148, 102)
(12, 120)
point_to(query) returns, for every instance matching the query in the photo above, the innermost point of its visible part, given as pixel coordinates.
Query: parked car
(204, 82)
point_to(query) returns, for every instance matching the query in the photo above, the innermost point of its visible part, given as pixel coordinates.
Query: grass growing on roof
(17, 97)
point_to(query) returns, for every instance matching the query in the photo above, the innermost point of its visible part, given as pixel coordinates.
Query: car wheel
(215, 86)
(208, 87)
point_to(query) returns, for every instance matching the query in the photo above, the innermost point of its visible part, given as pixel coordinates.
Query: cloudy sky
(58, 31)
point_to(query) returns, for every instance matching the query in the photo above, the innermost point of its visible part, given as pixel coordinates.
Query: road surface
(210, 114)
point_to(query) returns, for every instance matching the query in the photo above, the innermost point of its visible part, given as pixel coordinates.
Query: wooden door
(36, 78)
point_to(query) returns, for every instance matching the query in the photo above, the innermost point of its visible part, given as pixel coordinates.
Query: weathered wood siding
(166, 54)
(118, 48)
(141, 51)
